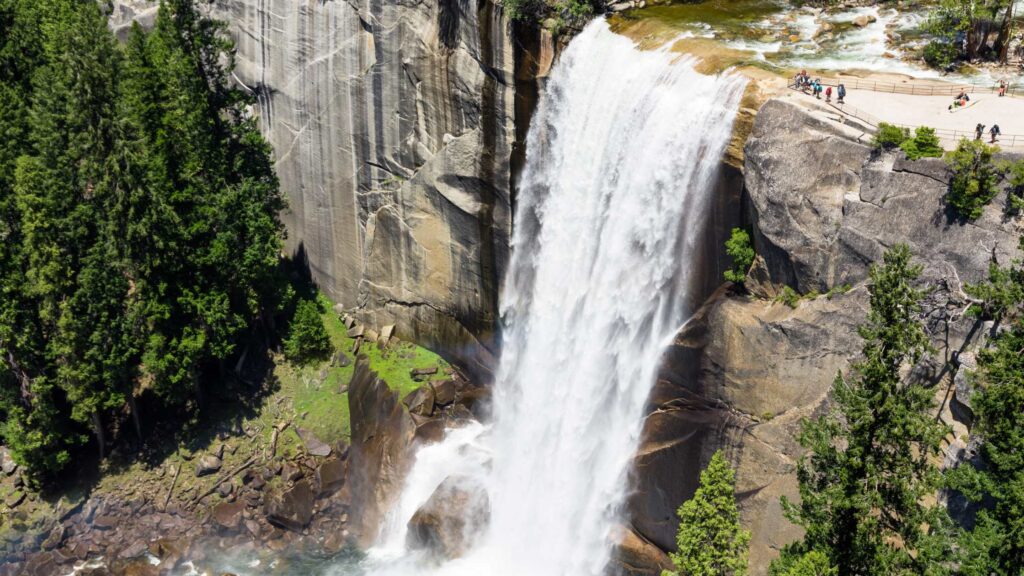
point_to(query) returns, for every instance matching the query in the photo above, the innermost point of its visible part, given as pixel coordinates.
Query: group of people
(994, 132)
(960, 101)
(804, 83)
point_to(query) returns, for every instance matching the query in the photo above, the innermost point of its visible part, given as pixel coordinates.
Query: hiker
(817, 88)
(963, 97)
(828, 94)
(994, 132)
(841, 92)
(978, 131)
(1002, 88)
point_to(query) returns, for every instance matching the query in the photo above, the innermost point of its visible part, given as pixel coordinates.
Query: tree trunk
(200, 393)
(133, 407)
(101, 437)
(972, 41)
(1003, 41)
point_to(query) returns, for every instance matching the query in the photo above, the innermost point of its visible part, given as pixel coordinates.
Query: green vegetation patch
(314, 388)
(742, 253)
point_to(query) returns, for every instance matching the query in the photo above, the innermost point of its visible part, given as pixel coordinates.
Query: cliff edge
(746, 369)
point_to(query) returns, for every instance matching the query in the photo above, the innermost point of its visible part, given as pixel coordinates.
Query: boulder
(431, 430)
(824, 28)
(208, 464)
(229, 514)
(291, 472)
(635, 556)
(55, 538)
(444, 391)
(864, 19)
(292, 509)
(423, 373)
(133, 550)
(457, 510)
(420, 401)
(380, 455)
(313, 445)
(331, 474)
(341, 359)
(105, 522)
(7, 463)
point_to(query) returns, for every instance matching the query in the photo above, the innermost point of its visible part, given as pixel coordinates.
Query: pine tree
(307, 338)
(139, 219)
(58, 197)
(870, 471)
(215, 169)
(995, 546)
(710, 540)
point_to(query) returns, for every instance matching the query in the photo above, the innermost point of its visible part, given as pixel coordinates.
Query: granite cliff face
(745, 370)
(392, 125)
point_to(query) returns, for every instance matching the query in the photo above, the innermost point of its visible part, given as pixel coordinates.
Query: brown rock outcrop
(445, 525)
(635, 556)
(382, 434)
(739, 377)
(292, 509)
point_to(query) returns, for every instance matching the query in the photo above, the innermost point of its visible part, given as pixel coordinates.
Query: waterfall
(622, 157)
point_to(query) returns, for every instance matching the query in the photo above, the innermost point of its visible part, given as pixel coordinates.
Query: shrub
(521, 9)
(841, 289)
(812, 563)
(975, 177)
(307, 338)
(789, 297)
(924, 144)
(577, 9)
(742, 253)
(940, 54)
(1015, 198)
(889, 136)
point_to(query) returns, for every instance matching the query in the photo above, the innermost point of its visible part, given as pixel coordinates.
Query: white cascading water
(622, 158)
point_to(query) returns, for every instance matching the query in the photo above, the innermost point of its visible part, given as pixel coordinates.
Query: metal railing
(918, 89)
(954, 136)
